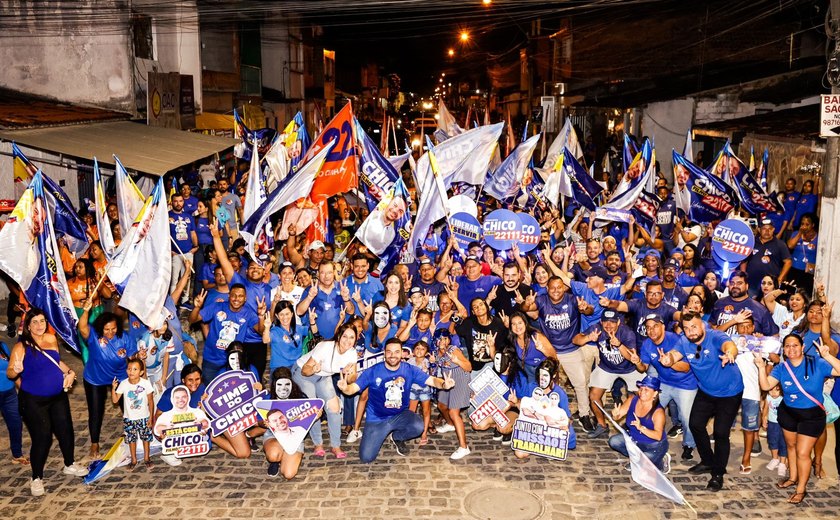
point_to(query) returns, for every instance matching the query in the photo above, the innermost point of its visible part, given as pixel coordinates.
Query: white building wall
(79, 54)
(177, 41)
(666, 122)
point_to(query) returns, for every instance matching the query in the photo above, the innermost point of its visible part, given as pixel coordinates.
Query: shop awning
(143, 148)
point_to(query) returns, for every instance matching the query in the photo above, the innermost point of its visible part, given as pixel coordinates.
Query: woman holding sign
(279, 460)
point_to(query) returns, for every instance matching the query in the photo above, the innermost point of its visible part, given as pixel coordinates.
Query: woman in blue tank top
(532, 347)
(108, 353)
(44, 405)
(645, 423)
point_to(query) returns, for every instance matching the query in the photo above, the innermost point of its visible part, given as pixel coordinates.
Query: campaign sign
(529, 232)
(185, 440)
(764, 345)
(462, 204)
(230, 402)
(487, 397)
(501, 229)
(290, 419)
(542, 427)
(369, 360)
(466, 229)
(733, 240)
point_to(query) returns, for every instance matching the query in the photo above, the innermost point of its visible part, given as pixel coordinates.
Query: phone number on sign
(506, 235)
(193, 451)
(736, 248)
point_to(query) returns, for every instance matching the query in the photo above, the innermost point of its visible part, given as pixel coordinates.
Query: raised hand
(342, 382)
(593, 336)
(491, 338)
(312, 315)
(725, 359)
(634, 358)
(759, 360)
(530, 300)
(17, 364)
(826, 311)
(448, 382)
(261, 307)
(198, 301)
(822, 347)
(492, 294)
(357, 294)
(505, 318)
(292, 230)
(636, 422)
(344, 291)
(603, 301)
(742, 316)
(666, 360)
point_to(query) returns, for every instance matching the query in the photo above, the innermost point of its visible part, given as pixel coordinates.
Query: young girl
(138, 410)
(418, 328)
(775, 438)
(422, 394)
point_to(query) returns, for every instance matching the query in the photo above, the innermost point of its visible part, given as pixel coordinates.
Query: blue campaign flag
(388, 227)
(645, 210)
(302, 140)
(711, 198)
(377, 175)
(67, 221)
(584, 187)
(505, 181)
(754, 198)
(631, 149)
(48, 290)
(640, 175)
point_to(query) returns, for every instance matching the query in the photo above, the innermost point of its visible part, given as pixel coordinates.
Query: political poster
(488, 399)
(466, 228)
(733, 240)
(462, 204)
(290, 419)
(529, 232)
(764, 345)
(710, 198)
(230, 402)
(367, 360)
(182, 430)
(501, 229)
(542, 427)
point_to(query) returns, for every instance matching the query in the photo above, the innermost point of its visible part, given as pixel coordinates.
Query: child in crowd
(138, 409)
(422, 394)
(418, 329)
(775, 437)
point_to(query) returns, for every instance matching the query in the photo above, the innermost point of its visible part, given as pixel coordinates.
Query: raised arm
(221, 255)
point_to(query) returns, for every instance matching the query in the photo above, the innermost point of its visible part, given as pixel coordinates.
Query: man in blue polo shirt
(182, 231)
(472, 284)
(731, 310)
(679, 387)
(389, 384)
(710, 355)
(370, 289)
(637, 310)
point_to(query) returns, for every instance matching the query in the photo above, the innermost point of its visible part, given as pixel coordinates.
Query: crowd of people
(646, 321)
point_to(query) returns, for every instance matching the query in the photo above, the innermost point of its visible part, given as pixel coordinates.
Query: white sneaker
(460, 453)
(446, 428)
(666, 464)
(773, 464)
(782, 470)
(171, 460)
(36, 487)
(77, 470)
(354, 436)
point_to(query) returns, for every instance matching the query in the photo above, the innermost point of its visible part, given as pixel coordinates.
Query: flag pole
(180, 252)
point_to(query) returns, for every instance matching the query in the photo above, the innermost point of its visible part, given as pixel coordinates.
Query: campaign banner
(363, 363)
(466, 229)
(290, 419)
(612, 214)
(230, 402)
(529, 232)
(710, 198)
(185, 440)
(487, 397)
(501, 229)
(764, 345)
(542, 427)
(733, 240)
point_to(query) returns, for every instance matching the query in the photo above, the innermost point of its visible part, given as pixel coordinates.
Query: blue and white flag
(645, 210)
(377, 175)
(254, 198)
(103, 223)
(576, 183)
(682, 196)
(629, 153)
(506, 180)
(433, 199)
(295, 186)
(641, 175)
(142, 268)
(29, 255)
(67, 222)
(398, 161)
(567, 138)
(711, 198)
(754, 199)
(130, 199)
(447, 126)
(463, 158)
(388, 227)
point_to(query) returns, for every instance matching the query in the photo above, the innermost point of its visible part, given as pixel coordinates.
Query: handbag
(828, 405)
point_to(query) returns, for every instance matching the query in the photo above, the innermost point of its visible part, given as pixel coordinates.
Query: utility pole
(828, 248)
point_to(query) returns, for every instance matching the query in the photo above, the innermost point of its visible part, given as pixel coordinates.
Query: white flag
(130, 199)
(463, 158)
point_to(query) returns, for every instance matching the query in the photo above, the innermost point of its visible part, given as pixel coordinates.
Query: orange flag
(339, 172)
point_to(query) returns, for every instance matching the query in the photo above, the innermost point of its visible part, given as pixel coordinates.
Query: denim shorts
(749, 415)
(420, 393)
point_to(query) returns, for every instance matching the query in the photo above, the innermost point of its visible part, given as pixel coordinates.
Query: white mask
(233, 361)
(545, 378)
(497, 362)
(381, 316)
(283, 388)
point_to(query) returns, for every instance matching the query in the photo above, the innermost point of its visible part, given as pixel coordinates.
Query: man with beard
(733, 309)
(591, 260)
(389, 383)
(183, 234)
(317, 251)
(771, 257)
(429, 282)
(327, 298)
(367, 287)
(612, 274)
(512, 293)
(673, 294)
(710, 356)
(637, 310)
(473, 284)
(558, 316)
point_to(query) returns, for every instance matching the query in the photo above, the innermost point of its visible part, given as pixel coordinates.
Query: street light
(451, 52)
(486, 2)
(465, 36)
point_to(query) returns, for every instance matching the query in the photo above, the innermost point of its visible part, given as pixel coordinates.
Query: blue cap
(441, 333)
(651, 382)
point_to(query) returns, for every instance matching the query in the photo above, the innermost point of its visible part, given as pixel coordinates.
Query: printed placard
(230, 402)
(487, 397)
(183, 429)
(733, 240)
(492, 408)
(764, 345)
(185, 440)
(501, 229)
(542, 427)
(290, 419)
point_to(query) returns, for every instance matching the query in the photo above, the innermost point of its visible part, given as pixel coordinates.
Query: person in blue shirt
(184, 238)
(637, 310)
(190, 201)
(803, 252)
(108, 353)
(802, 414)
(473, 284)
(728, 311)
(285, 336)
(418, 328)
(791, 199)
(807, 203)
(677, 387)
(328, 298)
(645, 424)
(368, 288)
(387, 413)
(710, 355)
(205, 275)
(228, 322)
(9, 408)
(672, 293)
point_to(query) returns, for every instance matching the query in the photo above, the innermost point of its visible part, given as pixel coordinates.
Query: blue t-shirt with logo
(253, 292)
(286, 346)
(181, 227)
(370, 290)
(811, 374)
(327, 310)
(469, 290)
(650, 356)
(107, 359)
(559, 322)
(226, 326)
(638, 311)
(705, 363)
(388, 390)
(611, 359)
(589, 296)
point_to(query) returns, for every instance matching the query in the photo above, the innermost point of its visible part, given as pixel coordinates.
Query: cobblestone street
(590, 484)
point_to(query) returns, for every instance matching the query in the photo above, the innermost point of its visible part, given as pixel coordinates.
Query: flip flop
(131, 466)
(745, 470)
(319, 452)
(338, 453)
(801, 497)
(786, 484)
(22, 460)
(423, 442)
(149, 464)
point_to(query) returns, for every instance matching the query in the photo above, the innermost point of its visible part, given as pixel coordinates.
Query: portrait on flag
(389, 225)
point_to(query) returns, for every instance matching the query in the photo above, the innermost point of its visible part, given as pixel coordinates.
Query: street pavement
(591, 484)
